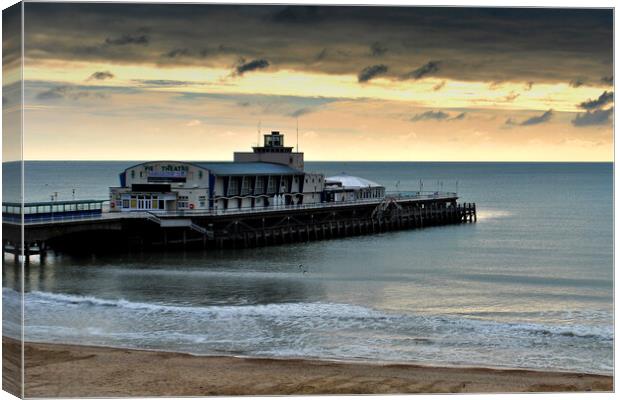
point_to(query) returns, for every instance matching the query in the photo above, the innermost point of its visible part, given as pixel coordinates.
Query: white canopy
(350, 182)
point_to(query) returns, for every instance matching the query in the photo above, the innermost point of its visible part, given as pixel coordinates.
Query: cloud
(371, 72)
(163, 82)
(194, 122)
(174, 53)
(511, 97)
(545, 117)
(377, 49)
(253, 65)
(67, 92)
(244, 103)
(482, 44)
(298, 15)
(529, 85)
(593, 118)
(540, 119)
(430, 115)
(100, 76)
(608, 80)
(127, 39)
(510, 122)
(321, 56)
(439, 86)
(438, 116)
(603, 100)
(429, 68)
(495, 85)
(575, 83)
(301, 111)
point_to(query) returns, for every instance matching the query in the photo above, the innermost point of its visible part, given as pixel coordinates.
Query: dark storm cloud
(68, 92)
(377, 49)
(459, 117)
(371, 72)
(603, 100)
(253, 65)
(298, 14)
(593, 118)
(127, 39)
(540, 119)
(100, 76)
(481, 44)
(429, 68)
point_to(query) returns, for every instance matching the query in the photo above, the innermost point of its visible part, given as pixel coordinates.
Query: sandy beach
(54, 370)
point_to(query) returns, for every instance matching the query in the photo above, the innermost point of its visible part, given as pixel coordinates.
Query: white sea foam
(483, 214)
(306, 329)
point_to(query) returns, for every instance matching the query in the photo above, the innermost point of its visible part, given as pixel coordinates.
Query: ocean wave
(316, 309)
(319, 315)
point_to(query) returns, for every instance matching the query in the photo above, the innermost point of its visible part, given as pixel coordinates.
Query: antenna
(297, 122)
(258, 134)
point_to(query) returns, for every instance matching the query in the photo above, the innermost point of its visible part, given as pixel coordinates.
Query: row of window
(52, 208)
(243, 185)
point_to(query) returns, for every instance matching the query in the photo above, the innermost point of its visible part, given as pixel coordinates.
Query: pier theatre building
(271, 175)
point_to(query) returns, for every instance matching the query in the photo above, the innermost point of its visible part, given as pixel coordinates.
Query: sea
(529, 285)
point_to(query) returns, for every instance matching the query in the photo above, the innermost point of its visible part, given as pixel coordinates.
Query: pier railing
(99, 209)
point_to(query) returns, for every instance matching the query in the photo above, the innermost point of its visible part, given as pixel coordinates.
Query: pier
(86, 226)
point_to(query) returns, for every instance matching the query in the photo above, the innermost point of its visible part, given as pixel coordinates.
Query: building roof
(236, 168)
(350, 181)
(248, 168)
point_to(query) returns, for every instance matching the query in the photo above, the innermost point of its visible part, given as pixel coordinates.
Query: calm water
(530, 285)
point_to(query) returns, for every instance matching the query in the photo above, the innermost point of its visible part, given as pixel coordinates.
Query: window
(183, 202)
(133, 173)
(271, 185)
(245, 185)
(260, 185)
(125, 203)
(233, 186)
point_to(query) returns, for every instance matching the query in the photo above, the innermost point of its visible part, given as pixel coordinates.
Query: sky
(197, 82)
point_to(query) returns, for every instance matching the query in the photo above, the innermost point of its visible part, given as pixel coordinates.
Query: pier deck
(101, 230)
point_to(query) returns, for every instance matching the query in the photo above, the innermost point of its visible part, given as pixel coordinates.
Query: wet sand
(54, 370)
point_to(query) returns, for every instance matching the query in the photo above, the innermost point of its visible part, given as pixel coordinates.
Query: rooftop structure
(273, 151)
